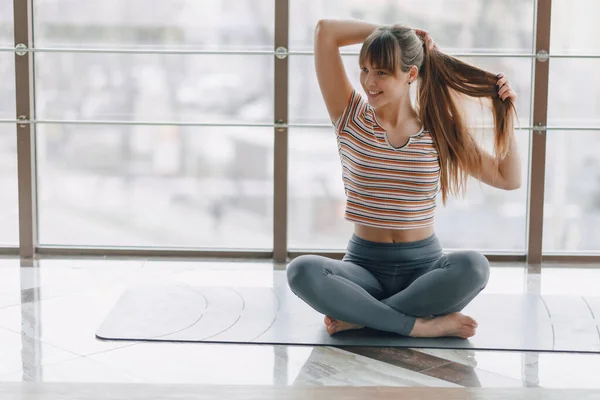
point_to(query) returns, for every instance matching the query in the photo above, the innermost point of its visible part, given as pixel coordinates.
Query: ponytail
(442, 78)
(459, 154)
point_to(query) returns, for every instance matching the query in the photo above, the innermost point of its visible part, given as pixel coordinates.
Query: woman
(394, 276)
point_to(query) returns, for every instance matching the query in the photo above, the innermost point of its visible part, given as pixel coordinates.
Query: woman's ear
(413, 73)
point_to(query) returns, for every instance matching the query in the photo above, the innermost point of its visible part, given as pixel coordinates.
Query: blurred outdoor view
(212, 187)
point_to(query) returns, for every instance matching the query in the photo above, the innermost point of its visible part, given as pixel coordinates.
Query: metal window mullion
(24, 87)
(280, 131)
(83, 50)
(152, 252)
(256, 124)
(537, 169)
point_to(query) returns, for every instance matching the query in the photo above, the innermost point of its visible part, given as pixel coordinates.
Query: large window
(155, 185)
(572, 189)
(166, 138)
(487, 218)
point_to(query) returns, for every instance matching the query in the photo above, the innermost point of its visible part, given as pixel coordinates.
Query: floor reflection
(31, 320)
(71, 296)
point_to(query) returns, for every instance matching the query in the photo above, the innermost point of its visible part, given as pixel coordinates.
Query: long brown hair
(441, 79)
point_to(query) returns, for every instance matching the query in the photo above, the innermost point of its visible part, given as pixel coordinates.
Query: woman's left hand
(505, 91)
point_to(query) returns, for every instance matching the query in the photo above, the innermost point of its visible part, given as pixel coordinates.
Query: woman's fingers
(504, 89)
(501, 82)
(507, 92)
(511, 95)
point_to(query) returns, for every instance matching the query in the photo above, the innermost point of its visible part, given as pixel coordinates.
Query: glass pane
(210, 88)
(9, 207)
(232, 24)
(487, 219)
(9, 200)
(7, 87)
(6, 23)
(574, 27)
(155, 186)
(573, 99)
(306, 104)
(456, 25)
(572, 192)
(315, 191)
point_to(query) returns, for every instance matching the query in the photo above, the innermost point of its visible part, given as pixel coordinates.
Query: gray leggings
(386, 286)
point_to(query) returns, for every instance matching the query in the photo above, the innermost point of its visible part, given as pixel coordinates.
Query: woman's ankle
(419, 327)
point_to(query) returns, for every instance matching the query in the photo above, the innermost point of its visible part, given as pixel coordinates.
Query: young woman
(396, 157)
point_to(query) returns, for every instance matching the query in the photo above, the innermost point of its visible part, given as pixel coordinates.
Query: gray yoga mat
(274, 315)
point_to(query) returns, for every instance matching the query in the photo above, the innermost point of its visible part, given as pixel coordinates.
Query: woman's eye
(381, 73)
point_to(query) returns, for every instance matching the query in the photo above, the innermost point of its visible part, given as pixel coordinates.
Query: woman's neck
(396, 115)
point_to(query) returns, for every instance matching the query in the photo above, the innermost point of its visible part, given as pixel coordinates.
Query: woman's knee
(474, 266)
(302, 271)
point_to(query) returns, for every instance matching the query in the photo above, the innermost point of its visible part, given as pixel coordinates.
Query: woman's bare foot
(455, 324)
(334, 325)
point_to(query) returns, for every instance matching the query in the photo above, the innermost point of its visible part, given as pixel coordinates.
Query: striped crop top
(385, 186)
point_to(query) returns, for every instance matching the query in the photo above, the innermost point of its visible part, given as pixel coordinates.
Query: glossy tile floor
(50, 310)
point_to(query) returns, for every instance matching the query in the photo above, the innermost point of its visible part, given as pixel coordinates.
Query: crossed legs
(345, 291)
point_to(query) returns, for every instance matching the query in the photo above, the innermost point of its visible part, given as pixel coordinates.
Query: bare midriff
(389, 235)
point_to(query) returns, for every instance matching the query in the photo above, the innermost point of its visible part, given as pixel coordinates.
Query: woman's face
(383, 87)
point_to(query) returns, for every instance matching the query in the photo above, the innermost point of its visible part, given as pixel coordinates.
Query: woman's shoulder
(357, 110)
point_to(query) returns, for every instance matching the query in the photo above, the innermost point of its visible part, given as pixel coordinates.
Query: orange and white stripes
(385, 186)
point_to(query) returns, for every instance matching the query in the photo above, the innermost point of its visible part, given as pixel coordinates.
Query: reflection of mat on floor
(276, 316)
